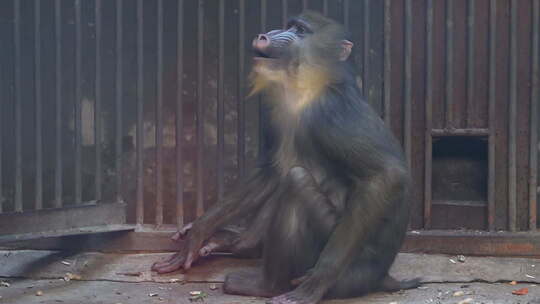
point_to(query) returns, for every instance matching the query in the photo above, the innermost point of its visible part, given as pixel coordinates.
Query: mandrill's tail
(391, 284)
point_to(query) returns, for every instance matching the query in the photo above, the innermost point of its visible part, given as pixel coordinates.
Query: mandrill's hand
(189, 253)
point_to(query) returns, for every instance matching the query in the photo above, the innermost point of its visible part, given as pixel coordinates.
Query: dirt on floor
(29, 277)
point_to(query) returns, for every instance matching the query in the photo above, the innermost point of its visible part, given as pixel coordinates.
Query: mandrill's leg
(244, 239)
(300, 226)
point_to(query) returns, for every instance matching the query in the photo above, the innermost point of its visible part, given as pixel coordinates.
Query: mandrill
(327, 206)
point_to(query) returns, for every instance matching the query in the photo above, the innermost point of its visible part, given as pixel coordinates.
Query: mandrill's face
(278, 50)
(303, 58)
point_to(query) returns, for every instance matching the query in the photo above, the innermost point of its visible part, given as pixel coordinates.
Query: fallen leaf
(530, 276)
(66, 263)
(521, 292)
(152, 294)
(466, 301)
(513, 283)
(39, 293)
(461, 258)
(458, 294)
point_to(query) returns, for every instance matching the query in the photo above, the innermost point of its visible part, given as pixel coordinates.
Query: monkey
(327, 206)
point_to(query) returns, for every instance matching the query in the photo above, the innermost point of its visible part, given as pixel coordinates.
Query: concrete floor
(29, 277)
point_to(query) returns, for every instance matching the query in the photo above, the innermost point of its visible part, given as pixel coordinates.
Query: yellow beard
(302, 86)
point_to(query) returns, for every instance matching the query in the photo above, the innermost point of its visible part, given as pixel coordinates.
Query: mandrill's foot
(295, 297)
(248, 283)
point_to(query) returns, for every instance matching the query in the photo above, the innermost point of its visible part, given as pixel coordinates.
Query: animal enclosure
(144, 102)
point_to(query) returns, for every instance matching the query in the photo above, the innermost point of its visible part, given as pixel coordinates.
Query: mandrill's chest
(294, 144)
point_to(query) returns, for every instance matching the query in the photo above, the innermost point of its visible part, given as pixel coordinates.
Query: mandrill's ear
(346, 48)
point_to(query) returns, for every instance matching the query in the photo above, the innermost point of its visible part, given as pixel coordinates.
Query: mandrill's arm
(248, 195)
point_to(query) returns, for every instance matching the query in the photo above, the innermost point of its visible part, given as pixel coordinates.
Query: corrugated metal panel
(166, 126)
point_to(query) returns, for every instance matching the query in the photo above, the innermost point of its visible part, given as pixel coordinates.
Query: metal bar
(428, 156)
(346, 7)
(470, 63)
(366, 46)
(512, 122)
(535, 99)
(97, 112)
(159, 117)
(473, 243)
(262, 138)
(38, 203)
(179, 115)
(284, 13)
(78, 100)
(118, 100)
(35, 238)
(200, 107)
(387, 62)
(491, 110)
(3, 88)
(408, 82)
(18, 101)
(58, 115)
(139, 212)
(221, 103)
(15, 226)
(241, 95)
(449, 64)
(460, 132)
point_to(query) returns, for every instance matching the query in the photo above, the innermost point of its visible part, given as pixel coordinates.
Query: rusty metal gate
(143, 102)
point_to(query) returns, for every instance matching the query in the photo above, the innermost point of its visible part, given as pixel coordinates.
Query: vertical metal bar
(58, 115)
(325, 8)
(408, 81)
(3, 86)
(428, 157)
(263, 15)
(387, 62)
(220, 106)
(97, 112)
(535, 100)
(140, 124)
(241, 79)
(470, 63)
(491, 110)
(118, 100)
(346, 8)
(38, 204)
(18, 101)
(78, 100)
(159, 117)
(262, 122)
(179, 115)
(449, 64)
(200, 107)
(512, 121)
(284, 13)
(366, 45)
